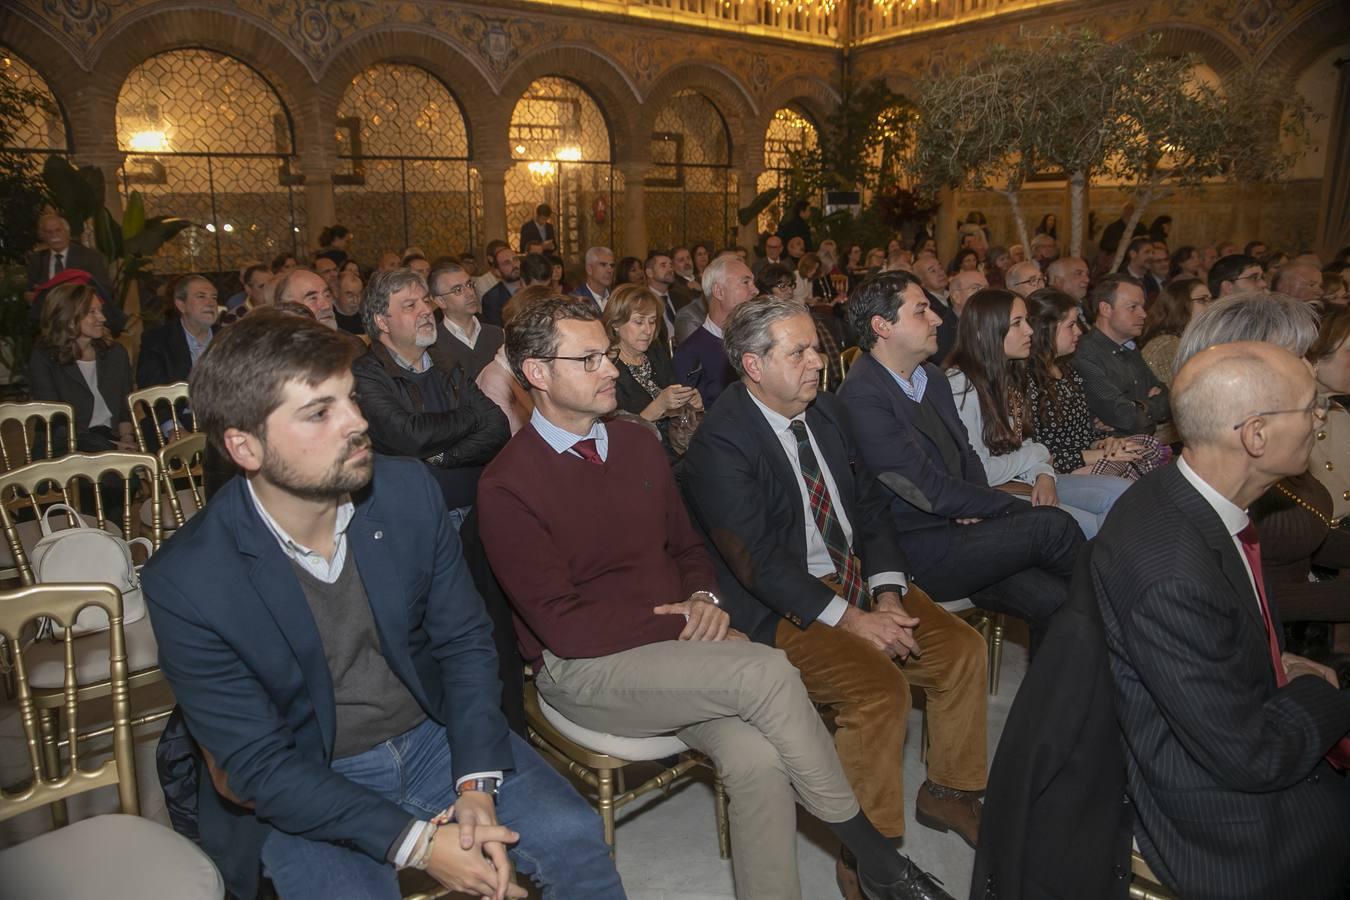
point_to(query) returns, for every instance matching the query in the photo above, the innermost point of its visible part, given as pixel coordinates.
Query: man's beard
(338, 481)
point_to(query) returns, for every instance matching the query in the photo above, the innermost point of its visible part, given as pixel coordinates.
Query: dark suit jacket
(532, 231)
(50, 381)
(906, 459)
(1054, 824)
(494, 301)
(165, 358)
(241, 652)
(743, 494)
(584, 293)
(1117, 381)
(89, 260)
(946, 331)
(703, 348)
(1225, 769)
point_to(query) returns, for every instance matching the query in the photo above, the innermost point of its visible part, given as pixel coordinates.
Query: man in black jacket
(414, 407)
(169, 351)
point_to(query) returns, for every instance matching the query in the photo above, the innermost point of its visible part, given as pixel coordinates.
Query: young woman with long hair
(989, 383)
(1172, 311)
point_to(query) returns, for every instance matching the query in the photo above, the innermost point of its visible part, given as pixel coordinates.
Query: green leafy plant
(16, 336)
(22, 193)
(129, 245)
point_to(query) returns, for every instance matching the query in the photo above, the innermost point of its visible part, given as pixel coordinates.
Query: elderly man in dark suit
(328, 650)
(964, 538)
(60, 253)
(808, 562)
(1235, 752)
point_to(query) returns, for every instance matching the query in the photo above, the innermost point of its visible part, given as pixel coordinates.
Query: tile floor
(667, 844)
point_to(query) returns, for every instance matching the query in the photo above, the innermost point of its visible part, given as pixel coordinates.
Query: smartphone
(692, 379)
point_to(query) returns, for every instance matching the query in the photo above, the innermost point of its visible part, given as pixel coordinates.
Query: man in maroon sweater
(611, 590)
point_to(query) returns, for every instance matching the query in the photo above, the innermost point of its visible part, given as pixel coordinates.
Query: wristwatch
(486, 785)
(711, 597)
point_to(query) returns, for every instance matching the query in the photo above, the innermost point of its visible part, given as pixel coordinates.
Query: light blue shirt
(917, 384)
(195, 347)
(562, 440)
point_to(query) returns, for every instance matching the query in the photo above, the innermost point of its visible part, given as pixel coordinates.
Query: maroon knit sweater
(584, 551)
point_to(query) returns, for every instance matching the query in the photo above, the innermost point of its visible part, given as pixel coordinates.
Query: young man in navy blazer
(333, 660)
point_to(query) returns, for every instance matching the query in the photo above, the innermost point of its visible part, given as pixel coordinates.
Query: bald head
(1230, 384)
(1300, 280)
(1070, 275)
(963, 286)
(1025, 277)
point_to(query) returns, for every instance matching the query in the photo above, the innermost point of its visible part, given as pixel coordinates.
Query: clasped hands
(887, 627)
(477, 863)
(706, 620)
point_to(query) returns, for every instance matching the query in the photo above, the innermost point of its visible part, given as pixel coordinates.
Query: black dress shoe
(915, 884)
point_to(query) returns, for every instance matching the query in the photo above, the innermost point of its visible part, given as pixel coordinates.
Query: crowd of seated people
(754, 484)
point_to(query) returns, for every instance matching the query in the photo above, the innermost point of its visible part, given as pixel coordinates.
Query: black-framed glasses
(1319, 407)
(1035, 279)
(591, 361)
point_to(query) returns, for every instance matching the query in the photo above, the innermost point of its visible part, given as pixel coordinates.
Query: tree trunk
(1141, 201)
(1077, 188)
(1018, 220)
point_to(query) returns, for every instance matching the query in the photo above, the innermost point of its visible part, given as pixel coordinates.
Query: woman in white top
(988, 379)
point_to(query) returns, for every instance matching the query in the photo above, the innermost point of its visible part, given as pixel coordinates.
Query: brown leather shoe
(846, 876)
(943, 808)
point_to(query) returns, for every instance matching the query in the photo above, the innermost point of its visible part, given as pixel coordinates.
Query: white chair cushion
(31, 532)
(46, 660)
(113, 857)
(186, 501)
(626, 748)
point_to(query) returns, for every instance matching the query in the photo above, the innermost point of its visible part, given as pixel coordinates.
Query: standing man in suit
(964, 538)
(59, 253)
(320, 630)
(660, 280)
(539, 230)
(701, 360)
(1235, 752)
(461, 339)
(599, 278)
(809, 563)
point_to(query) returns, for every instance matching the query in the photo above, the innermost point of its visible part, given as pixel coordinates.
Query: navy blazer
(1225, 768)
(165, 357)
(703, 350)
(896, 447)
(240, 649)
(744, 496)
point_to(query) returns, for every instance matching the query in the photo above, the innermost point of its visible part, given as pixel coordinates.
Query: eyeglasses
(456, 291)
(1034, 279)
(1318, 408)
(591, 361)
(1251, 276)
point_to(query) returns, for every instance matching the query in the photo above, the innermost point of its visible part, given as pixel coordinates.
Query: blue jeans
(561, 847)
(457, 517)
(1088, 498)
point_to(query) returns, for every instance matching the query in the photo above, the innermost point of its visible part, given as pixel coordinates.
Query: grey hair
(382, 286)
(715, 272)
(1257, 316)
(443, 269)
(181, 286)
(283, 284)
(593, 254)
(747, 329)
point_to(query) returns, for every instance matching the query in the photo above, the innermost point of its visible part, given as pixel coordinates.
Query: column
(633, 241)
(492, 180)
(320, 202)
(106, 156)
(747, 185)
(1333, 213)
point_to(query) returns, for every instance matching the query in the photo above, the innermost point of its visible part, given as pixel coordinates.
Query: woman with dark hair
(1160, 229)
(965, 260)
(1184, 263)
(924, 243)
(333, 242)
(778, 281)
(74, 362)
(646, 385)
(1048, 225)
(1058, 402)
(989, 383)
(630, 271)
(701, 253)
(1172, 311)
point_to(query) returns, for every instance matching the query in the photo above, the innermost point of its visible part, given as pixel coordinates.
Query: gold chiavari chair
(1144, 885)
(848, 356)
(26, 430)
(138, 856)
(20, 491)
(181, 481)
(159, 408)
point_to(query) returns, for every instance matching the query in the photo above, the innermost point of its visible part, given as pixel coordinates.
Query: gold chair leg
(605, 789)
(996, 654)
(723, 820)
(48, 724)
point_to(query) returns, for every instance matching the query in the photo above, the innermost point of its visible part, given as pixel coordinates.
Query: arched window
(209, 140)
(43, 129)
(561, 147)
(403, 176)
(790, 132)
(690, 191)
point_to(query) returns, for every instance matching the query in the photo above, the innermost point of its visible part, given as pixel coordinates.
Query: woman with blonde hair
(646, 385)
(75, 362)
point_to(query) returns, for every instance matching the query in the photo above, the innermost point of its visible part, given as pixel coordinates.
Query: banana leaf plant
(129, 246)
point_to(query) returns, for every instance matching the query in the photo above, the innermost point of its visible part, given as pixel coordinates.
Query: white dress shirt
(818, 559)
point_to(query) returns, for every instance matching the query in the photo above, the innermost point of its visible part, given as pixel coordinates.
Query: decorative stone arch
(53, 61)
(721, 88)
(1303, 40)
(599, 75)
(1178, 38)
(125, 47)
(810, 95)
(430, 51)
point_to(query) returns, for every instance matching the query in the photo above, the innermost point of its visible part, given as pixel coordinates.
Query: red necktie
(1339, 755)
(586, 450)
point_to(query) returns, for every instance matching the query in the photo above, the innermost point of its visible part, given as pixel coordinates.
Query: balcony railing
(812, 21)
(876, 20)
